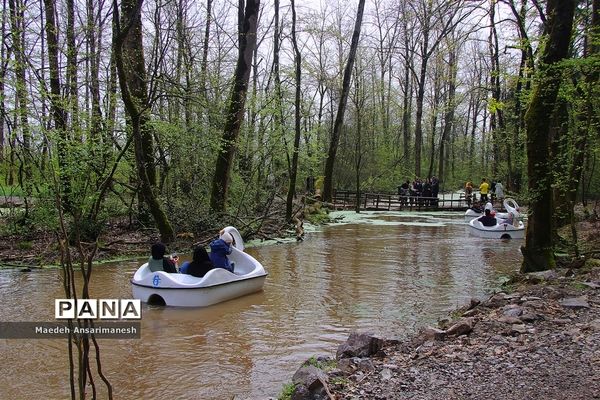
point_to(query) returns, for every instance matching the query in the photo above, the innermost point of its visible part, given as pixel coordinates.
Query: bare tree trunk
(16, 19)
(247, 41)
(339, 118)
(566, 194)
(297, 133)
(439, 20)
(526, 70)
(497, 125)
(4, 57)
(72, 69)
(450, 108)
(538, 250)
(359, 99)
(278, 114)
(437, 91)
(204, 63)
(132, 80)
(59, 113)
(93, 41)
(589, 117)
(407, 96)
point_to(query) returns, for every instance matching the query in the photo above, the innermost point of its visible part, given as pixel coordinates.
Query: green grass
(287, 391)
(25, 245)
(10, 190)
(325, 366)
(579, 286)
(340, 380)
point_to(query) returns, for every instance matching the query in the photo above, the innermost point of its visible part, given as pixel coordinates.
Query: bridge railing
(346, 199)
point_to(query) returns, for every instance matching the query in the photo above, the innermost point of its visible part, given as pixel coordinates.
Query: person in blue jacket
(219, 249)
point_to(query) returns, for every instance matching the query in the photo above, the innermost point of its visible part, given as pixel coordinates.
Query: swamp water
(387, 273)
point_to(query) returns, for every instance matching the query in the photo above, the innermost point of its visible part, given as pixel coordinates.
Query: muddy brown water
(389, 274)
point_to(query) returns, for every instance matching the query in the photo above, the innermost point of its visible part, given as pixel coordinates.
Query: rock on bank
(540, 341)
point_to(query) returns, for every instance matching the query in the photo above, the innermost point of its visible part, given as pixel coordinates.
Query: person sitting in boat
(158, 261)
(487, 219)
(199, 265)
(219, 249)
(512, 219)
(489, 206)
(477, 207)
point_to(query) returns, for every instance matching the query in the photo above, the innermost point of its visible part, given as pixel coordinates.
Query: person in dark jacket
(435, 189)
(158, 261)
(427, 191)
(219, 249)
(200, 264)
(486, 219)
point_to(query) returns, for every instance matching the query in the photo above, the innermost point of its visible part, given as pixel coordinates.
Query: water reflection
(388, 277)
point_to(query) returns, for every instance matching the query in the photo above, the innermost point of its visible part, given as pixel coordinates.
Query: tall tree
(497, 125)
(4, 57)
(132, 80)
(297, 132)
(450, 107)
(523, 86)
(72, 67)
(205, 43)
(408, 55)
(436, 20)
(59, 113)
(573, 147)
(339, 118)
(93, 30)
(247, 25)
(17, 28)
(538, 250)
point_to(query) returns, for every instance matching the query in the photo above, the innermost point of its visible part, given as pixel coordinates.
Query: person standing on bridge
(435, 189)
(469, 193)
(427, 191)
(499, 192)
(484, 189)
(404, 192)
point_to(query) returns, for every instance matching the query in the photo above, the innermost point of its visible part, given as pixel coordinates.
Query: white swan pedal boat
(470, 214)
(502, 230)
(216, 286)
(510, 205)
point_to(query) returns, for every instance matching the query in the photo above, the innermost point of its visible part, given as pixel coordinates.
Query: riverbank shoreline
(117, 243)
(538, 338)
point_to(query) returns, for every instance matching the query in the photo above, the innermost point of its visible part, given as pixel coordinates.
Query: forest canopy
(125, 108)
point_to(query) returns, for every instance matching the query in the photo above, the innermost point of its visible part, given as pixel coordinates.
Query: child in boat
(219, 249)
(200, 264)
(158, 261)
(489, 206)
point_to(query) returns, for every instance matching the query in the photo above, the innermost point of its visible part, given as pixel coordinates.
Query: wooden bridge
(345, 199)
